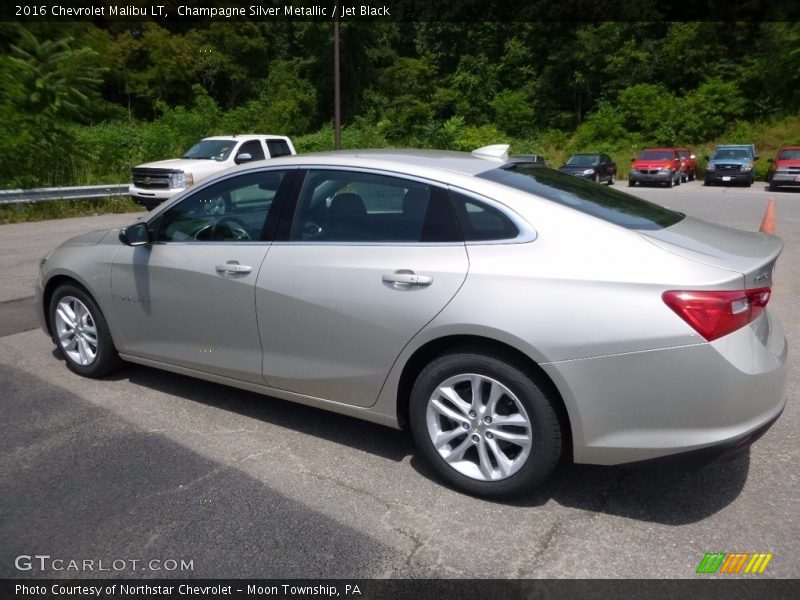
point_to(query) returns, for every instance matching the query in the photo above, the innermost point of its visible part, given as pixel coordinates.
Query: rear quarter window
(585, 196)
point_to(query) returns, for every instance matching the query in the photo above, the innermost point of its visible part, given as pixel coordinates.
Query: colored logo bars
(734, 562)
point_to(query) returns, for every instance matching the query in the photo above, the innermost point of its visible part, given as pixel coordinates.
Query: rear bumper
(697, 459)
(705, 398)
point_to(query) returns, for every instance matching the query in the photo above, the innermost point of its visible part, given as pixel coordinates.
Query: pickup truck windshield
(585, 196)
(735, 153)
(210, 150)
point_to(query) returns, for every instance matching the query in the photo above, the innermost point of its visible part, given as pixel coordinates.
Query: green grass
(61, 209)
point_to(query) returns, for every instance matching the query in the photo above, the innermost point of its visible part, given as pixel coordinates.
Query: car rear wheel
(597, 177)
(485, 426)
(613, 179)
(671, 181)
(81, 333)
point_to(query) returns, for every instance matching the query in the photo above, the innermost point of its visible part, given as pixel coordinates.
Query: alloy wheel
(479, 427)
(76, 331)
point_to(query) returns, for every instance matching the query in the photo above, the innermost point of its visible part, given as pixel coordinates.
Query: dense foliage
(82, 102)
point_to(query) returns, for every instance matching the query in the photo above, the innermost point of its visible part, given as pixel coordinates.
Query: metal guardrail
(63, 193)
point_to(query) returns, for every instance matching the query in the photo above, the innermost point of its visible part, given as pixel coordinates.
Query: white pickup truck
(155, 182)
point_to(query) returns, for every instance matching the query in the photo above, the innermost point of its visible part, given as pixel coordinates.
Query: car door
(367, 260)
(188, 299)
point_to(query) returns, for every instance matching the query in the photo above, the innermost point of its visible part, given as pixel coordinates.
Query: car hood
(651, 164)
(731, 161)
(90, 238)
(787, 163)
(576, 168)
(182, 164)
(749, 253)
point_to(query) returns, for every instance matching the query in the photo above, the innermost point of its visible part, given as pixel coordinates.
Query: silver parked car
(508, 314)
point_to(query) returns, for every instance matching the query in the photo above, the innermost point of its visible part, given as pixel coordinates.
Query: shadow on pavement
(660, 496)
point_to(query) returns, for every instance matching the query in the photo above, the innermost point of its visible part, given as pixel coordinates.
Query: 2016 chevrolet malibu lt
(508, 314)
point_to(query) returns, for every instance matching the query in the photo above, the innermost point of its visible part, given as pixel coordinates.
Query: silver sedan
(509, 315)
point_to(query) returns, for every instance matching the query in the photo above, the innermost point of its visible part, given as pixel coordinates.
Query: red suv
(785, 169)
(688, 164)
(656, 165)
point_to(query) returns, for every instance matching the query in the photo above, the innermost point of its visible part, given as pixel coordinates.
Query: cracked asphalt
(151, 465)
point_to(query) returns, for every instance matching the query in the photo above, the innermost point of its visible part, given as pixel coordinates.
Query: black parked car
(598, 167)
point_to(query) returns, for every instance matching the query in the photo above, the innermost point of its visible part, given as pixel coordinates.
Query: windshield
(210, 150)
(731, 153)
(584, 160)
(789, 154)
(585, 196)
(656, 155)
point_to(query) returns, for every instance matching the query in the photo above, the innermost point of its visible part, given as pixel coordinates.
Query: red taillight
(717, 313)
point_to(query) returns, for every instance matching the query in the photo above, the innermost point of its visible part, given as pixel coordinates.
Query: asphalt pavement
(148, 465)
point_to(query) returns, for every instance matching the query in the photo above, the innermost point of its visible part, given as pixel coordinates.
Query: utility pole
(337, 91)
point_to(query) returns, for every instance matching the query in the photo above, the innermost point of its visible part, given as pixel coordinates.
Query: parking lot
(148, 465)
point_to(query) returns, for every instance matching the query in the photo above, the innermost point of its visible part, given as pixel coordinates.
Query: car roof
(788, 148)
(662, 149)
(462, 163)
(246, 136)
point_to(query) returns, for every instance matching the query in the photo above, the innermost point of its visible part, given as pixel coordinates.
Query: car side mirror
(755, 157)
(135, 235)
(243, 157)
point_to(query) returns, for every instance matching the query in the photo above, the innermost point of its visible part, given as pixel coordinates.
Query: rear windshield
(585, 196)
(656, 155)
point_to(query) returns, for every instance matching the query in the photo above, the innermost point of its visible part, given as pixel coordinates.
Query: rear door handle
(232, 267)
(407, 280)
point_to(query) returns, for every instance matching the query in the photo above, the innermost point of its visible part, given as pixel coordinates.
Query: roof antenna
(497, 151)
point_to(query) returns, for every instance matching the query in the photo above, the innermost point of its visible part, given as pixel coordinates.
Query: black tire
(631, 183)
(707, 183)
(106, 360)
(545, 430)
(692, 176)
(772, 187)
(597, 177)
(613, 179)
(680, 179)
(671, 182)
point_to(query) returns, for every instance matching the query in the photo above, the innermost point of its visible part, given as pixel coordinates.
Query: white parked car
(161, 180)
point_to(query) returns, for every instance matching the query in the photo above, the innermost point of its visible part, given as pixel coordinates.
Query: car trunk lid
(751, 254)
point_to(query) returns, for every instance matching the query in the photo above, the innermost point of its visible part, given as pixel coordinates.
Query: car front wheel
(81, 333)
(485, 425)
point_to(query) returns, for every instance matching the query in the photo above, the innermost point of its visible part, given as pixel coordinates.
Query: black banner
(398, 10)
(418, 589)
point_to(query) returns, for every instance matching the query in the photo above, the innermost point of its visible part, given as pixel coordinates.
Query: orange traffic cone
(768, 222)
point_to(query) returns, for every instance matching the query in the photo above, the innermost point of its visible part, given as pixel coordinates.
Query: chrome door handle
(407, 279)
(233, 268)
